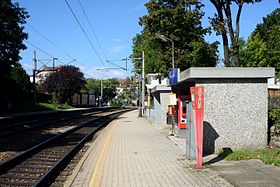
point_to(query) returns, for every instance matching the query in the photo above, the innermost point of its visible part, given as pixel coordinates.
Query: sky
(54, 32)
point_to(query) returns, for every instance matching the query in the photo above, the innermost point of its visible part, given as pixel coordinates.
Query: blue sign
(174, 76)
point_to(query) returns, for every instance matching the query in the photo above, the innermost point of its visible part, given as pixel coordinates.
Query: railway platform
(132, 152)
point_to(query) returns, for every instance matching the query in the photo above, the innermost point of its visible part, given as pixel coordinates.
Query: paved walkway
(132, 152)
(248, 173)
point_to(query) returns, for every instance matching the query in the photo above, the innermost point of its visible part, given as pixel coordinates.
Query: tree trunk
(226, 49)
(233, 37)
(237, 32)
(219, 7)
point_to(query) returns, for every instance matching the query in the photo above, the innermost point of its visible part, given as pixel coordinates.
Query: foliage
(268, 156)
(64, 83)
(92, 86)
(48, 106)
(255, 51)
(20, 86)
(21, 79)
(222, 23)
(45, 106)
(114, 102)
(263, 46)
(122, 99)
(201, 55)
(26, 106)
(179, 21)
(12, 17)
(11, 33)
(109, 87)
(55, 100)
(274, 116)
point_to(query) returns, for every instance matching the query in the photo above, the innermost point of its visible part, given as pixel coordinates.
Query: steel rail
(37, 123)
(62, 163)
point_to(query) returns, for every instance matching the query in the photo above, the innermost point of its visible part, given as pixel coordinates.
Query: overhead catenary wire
(38, 48)
(67, 54)
(33, 28)
(43, 51)
(92, 30)
(96, 38)
(84, 32)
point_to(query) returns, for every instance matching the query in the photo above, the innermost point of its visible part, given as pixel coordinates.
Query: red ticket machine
(182, 111)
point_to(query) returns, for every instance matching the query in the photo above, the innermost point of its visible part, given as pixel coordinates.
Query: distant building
(44, 72)
(154, 80)
(273, 87)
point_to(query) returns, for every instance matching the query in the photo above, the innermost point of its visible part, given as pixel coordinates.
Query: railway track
(41, 164)
(22, 125)
(21, 136)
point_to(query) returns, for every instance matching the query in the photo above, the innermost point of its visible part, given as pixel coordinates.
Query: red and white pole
(197, 97)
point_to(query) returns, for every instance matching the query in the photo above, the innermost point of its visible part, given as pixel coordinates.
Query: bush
(274, 118)
(114, 102)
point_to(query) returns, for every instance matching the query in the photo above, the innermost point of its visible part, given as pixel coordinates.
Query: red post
(197, 97)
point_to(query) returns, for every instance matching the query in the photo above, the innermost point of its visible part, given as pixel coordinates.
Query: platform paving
(132, 152)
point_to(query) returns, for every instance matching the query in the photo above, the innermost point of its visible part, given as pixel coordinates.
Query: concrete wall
(161, 99)
(235, 114)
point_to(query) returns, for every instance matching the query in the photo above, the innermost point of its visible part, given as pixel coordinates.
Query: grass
(45, 106)
(268, 156)
(27, 107)
(48, 106)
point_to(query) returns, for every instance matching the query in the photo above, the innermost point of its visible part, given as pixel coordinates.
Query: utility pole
(143, 84)
(34, 80)
(101, 93)
(54, 62)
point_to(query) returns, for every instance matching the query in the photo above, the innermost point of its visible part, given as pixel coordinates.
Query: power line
(39, 49)
(91, 28)
(43, 51)
(83, 31)
(50, 41)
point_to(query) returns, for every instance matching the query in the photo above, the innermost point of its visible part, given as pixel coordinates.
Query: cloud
(103, 74)
(117, 40)
(117, 48)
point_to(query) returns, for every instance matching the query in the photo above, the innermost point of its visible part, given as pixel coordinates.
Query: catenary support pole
(34, 80)
(143, 83)
(101, 93)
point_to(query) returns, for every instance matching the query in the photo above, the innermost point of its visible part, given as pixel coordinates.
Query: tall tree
(179, 21)
(12, 18)
(223, 25)
(263, 45)
(65, 82)
(109, 87)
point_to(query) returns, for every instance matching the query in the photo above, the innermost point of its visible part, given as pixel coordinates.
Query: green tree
(109, 87)
(65, 82)
(223, 25)
(263, 45)
(12, 18)
(92, 86)
(123, 99)
(21, 79)
(181, 22)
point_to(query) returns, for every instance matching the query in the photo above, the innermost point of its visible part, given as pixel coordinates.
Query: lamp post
(142, 108)
(164, 38)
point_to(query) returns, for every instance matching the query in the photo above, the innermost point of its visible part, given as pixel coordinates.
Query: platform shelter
(160, 95)
(235, 108)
